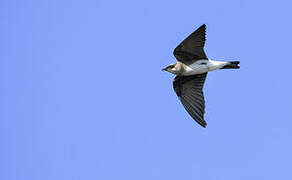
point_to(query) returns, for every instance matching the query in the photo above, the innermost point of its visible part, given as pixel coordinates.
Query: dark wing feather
(192, 48)
(189, 89)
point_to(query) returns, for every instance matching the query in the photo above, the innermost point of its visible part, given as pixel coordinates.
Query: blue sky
(83, 96)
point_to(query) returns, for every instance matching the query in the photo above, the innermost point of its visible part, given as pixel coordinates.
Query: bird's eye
(203, 63)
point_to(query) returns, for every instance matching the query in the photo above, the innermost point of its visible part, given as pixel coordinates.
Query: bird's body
(191, 71)
(199, 67)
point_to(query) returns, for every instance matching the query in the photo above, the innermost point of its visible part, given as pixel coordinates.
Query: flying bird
(191, 71)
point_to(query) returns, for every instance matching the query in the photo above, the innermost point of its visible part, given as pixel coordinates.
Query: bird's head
(173, 68)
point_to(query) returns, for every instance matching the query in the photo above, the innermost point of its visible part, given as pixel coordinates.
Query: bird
(191, 70)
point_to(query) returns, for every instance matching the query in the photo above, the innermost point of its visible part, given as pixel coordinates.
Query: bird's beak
(164, 69)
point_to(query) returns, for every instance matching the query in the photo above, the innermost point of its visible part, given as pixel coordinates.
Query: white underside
(199, 68)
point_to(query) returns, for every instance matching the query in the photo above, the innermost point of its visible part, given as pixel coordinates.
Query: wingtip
(204, 125)
(204, 26)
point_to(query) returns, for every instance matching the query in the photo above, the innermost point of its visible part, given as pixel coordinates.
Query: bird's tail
(232, 65)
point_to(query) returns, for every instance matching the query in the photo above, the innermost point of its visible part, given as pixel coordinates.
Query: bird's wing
(189, 90)
(192, 48)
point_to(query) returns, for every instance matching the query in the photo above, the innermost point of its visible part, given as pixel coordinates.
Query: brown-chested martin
(191, 71)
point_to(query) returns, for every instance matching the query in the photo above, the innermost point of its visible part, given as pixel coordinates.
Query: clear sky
(83, 96)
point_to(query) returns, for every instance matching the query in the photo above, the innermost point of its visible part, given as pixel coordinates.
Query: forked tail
(232, 65)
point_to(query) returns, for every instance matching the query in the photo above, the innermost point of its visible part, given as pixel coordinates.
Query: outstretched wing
(192, 48)
(189, 90)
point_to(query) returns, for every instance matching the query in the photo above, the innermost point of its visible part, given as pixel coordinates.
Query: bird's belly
(189, 70)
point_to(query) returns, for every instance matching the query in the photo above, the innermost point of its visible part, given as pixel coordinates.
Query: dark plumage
(189, 88)
(192, 48)
(191, 71)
